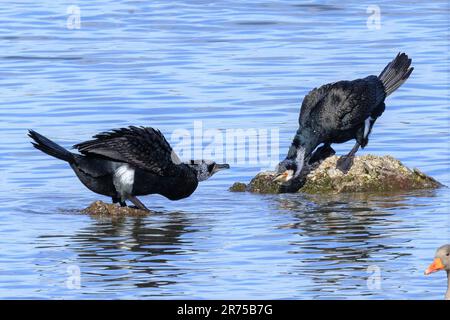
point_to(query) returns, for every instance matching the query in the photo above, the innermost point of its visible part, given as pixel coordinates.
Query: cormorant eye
(210, 167)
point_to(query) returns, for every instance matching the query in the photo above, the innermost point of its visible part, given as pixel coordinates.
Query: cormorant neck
(301, 147)
(200, 170)
(297, 154)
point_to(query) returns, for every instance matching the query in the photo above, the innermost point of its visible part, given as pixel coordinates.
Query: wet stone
(109, 209)
(369, 173)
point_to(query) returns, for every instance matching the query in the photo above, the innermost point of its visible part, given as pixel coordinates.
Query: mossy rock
(238, 187)
(368, 173)
(100, 208)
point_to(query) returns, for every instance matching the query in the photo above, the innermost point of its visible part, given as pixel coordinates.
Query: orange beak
(435, 266)
(285, 176)
(281, 177)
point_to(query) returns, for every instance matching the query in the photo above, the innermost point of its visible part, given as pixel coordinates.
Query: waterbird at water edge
(339, 112)
(129, 162)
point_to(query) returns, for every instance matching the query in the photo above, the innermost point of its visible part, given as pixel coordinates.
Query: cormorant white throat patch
(299, 159)
(367, 125)
(123, 180)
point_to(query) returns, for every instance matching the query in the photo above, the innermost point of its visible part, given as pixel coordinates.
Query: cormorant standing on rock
(336, 113)
(129, 162)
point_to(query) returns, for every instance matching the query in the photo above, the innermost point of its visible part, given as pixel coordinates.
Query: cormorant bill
(338, 112)
(129, 162)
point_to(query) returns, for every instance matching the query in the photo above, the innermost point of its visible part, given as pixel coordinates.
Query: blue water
(229, 64)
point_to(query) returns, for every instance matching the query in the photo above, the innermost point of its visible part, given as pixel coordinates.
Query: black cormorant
(129, 162)
(338, 112)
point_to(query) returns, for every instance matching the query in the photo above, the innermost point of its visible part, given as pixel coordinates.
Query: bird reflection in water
(340, 236)
(132, 250)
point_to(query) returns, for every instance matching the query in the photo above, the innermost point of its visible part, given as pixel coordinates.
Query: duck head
(441, 260)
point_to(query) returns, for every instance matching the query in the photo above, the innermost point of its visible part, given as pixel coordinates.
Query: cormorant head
(206, 168)
(286, 170)
(293, 164)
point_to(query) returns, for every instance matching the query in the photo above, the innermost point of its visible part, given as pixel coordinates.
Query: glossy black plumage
(129, 162)
(147, 150)
(341, 111)
(143, 147)
(336, 113)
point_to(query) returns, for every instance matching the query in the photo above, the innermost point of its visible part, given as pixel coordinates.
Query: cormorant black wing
(311, 100)
(143, 147)
(342, 105)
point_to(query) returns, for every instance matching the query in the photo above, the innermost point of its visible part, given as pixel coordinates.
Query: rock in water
(110, 209)
(368, 173)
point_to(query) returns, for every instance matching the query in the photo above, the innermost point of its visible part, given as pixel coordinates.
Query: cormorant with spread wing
(129, 162)
(338, 112)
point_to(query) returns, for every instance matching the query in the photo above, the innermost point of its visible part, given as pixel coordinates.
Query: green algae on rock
(261, 183)
(238, 187)
(368, 173)
(109, 209)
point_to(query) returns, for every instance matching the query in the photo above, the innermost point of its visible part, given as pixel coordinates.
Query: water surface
(230, 64)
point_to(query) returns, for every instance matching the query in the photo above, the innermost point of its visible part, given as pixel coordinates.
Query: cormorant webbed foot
(138, 203)
(344, 163)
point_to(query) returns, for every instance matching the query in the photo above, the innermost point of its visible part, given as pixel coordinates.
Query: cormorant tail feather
(396, 73)
(49, 147)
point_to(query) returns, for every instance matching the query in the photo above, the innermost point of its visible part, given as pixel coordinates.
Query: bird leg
(138, 203)
(117, 200)
(344, 163)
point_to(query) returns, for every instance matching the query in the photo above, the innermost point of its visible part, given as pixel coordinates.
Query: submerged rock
(110, 209)
(368, 173)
